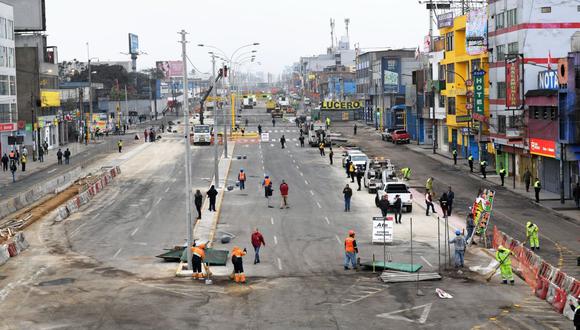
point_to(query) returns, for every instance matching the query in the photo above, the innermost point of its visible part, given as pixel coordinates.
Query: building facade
(8, 104)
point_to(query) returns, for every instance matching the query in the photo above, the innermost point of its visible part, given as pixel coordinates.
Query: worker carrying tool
(406, 173)
(237, 261)
(532, 235)
(350, 250)
(198, 252)
(505, 264)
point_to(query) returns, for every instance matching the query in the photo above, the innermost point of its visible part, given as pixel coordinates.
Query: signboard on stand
(265, 137)
(383, 229)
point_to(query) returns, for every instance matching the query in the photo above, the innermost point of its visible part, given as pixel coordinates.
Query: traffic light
(225, 71)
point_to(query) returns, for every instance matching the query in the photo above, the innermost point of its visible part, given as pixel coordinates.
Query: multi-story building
(366, 89)
(8, 105)
(465, 92)
(524, 36)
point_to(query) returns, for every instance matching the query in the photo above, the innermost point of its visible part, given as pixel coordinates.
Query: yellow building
(457, 67)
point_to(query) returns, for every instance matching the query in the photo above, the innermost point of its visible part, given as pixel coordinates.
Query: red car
(400, 136)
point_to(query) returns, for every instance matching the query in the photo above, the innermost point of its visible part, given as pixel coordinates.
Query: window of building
(441, 101)
(513, 48)
(10, 29)
(441, 75)
(543, 113)
(501, 89)
(2, 27)
(501, 124)
(11, 63)
(512, 17)
(500, 52)
(499, 21)
(546, 10)
(450, 73)
(5, 116)
(4, 85)
(449, 41)
(451, 106)
(12, 85)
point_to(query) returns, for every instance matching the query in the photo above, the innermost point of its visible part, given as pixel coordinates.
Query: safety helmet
(351, 232)
(457, 232)
(201, 246)
(241, 169)
(529, 224)
(267, 176)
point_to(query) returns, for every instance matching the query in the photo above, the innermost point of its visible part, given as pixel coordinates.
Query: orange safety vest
(267, 182)
(11, 154)
(242, 176)
(351, 168)
(198, 251)
(349, 244)
(237, 252)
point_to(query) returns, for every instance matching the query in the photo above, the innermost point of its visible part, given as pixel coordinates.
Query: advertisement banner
(170, 69)
(49, 99)
(512, 81)
(7, 127)
(100, 121)
(445, 20)
(341, 105)
(476, 32)
(544, 148)
(133, 44)
(383, 229)
(391, 75)
(479, 92)
(548, 80)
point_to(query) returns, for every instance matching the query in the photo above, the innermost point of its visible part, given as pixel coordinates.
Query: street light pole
(215, 126)
(89, 126)
(187, 153)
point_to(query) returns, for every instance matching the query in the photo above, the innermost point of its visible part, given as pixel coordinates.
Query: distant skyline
(285, 31)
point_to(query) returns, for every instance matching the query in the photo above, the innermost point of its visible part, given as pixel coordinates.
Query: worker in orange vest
(242, 179)
(267, 185)
(237, 261)
(198, 252)
(350, 250)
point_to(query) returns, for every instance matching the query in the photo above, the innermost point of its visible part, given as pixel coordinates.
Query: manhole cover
(60, 281)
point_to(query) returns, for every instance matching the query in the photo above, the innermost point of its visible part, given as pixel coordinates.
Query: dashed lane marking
(306, 181)
(117, 253)
(338, 239)
(301, 174)
(272, 220)
(279, 264)
(311, 192)
(319, 206)
(158, 201)
(134, 231)
(275, 240)
(167, 189)
(327, 221)
(54, 169)
(148, 214)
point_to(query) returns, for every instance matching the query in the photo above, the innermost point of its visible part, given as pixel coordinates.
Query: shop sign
(341, 105)
(463, 119)
(544, 148)
(7, 127)
(512, 79)
(49, 99)
(445, 20)
(479, 91)
(548, 80)
(383, 229)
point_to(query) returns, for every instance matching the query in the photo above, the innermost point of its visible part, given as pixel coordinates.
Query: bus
(201, 134)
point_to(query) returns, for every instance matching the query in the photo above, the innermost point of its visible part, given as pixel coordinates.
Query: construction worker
(429, 185)
(350, 250)
(327, 122)
(23, 160)
(459, 242)
(242, 179)
(321, 149)
(482, 167)
(267, 185)
(301, 139)
(406, 173)
(502, 172)
(259, 129)
(532, 235)
(505, 264)
(537, 188)
(237, 261)
(470, 161)
(198, 257)
(454, 156)
(120, 145)
(351, 171)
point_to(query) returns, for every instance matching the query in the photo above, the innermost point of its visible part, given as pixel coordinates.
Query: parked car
(386, 134)
(400, 136)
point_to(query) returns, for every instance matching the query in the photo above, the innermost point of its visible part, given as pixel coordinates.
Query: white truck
(248, 102)
(393, 188)
(283, 101)
(377, 172)
(201, 134)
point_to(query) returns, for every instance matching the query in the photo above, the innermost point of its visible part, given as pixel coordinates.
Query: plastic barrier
(559, 300)
(12, 251)
(543, 280)
(4, 254)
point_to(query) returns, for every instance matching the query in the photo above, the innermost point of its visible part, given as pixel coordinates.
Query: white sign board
(29, 15)
(383, 229)
(265, 137)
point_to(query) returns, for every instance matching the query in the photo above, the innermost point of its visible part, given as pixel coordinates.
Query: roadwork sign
(383, 229)
(265, 137)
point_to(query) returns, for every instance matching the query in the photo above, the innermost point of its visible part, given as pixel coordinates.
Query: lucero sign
(341, 105)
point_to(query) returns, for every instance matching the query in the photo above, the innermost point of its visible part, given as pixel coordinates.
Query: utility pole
(126, 100)
(215, 126)
(187, 153)
(90, 99)
(432, 98)
(224, 118)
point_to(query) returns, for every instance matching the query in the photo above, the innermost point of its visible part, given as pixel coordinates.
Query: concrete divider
(4, 255)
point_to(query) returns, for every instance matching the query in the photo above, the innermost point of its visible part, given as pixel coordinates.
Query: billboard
(49, 99)
(544, 148)
(479, 92)
(29, 15)
(548, 80)
(512, 82)
(391, 75)
(170, 69)
(341, 105)
(476, 32)
(445, 20)
(133, 44)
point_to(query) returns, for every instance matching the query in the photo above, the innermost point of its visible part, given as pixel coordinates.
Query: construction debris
(398, 277)
(442, 294)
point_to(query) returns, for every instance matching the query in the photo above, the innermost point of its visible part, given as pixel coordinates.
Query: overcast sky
(286, 30)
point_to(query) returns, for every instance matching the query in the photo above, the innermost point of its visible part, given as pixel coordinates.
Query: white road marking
(158, 201)
(134, 231)
(327, 221)
(319, 206)
(338, 239)
(305, 181)
(271, 144)
(279, 264)
(426, 309)
(311, 192)
(427, 262)
(301, 174)
(54, 169)
(148, 214)
(167, 189)
(297, 167)
(294, 161)
(272, 220)
(275, 240)
(117, 253)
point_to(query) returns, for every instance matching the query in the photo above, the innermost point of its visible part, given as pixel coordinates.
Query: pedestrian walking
(268, 191)
(301, 138)
(429, 202)
(23, 160)
(482, 167)
(242, 179)
(13, 169)
(406, 172)
(470, 225)
(198, 201)
(429, 184)
(347, 192)
(198, 255)
(273, 122)
(257, 242)
(25, 152)
(321, 149)
(67, 156)
(330, 156)
(384, 205)
(532, 235)
(450, 198)
(359, 175)
(237, 261)
(5, 161)
(350, 251)
(41, 154)
(284, 194)
(259, 129)
(246, 122)
(355, 127)
(351, 172)
(527, 179)
(537, 188)
(454, 156)
(17, 157)
(575, 194)
(120, 145)
(470, 162)
(327, 123)
(502, 174)
(459, 242)
(45, 146)
(146, 135)
(212, 194)
(443, 203)
(347, 168)
(59, 157)
(505, 264)
(398, 209)
(283, 141)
